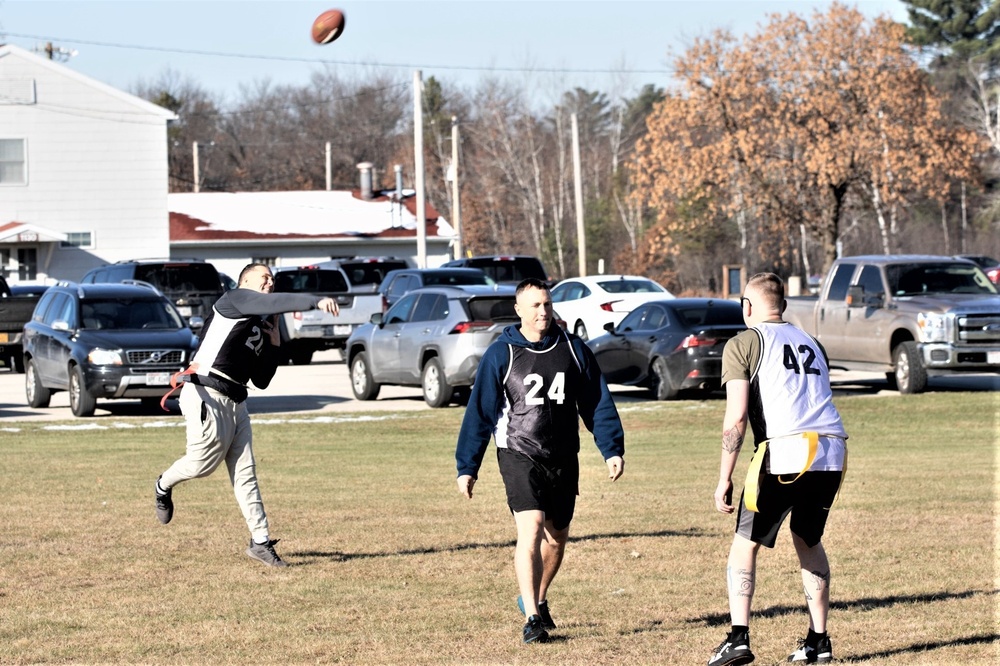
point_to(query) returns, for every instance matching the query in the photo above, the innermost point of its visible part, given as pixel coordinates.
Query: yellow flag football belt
(752, 485)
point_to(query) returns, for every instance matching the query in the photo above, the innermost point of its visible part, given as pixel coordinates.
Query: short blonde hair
(770, 287)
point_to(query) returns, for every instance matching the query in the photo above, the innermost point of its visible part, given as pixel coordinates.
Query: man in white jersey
(777, 379)
(239, 345)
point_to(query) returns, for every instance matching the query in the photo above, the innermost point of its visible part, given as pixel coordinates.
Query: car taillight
(607, 307)
(471, 326)
(297, 316)
(994, 275)
(385, 304)
(696, 340)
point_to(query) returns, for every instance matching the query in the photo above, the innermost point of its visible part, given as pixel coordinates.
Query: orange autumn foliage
(781, 127)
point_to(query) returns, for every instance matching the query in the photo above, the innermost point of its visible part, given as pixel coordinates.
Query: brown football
(328, 26)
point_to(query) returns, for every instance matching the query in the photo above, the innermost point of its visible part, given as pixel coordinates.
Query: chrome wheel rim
(432, 383)
(358, 377)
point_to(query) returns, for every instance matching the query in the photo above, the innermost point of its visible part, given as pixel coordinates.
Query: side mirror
(610, 327)
(857, 298)
(196, 322)
(376, 318)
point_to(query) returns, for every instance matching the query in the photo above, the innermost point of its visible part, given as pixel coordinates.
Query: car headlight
(105, 357)
(933, 327)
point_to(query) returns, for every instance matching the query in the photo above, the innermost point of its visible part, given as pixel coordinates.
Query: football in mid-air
(328, 26)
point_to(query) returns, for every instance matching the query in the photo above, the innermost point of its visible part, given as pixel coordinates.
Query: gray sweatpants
(219, 429)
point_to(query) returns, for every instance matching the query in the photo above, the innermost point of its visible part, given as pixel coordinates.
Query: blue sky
(552, 45)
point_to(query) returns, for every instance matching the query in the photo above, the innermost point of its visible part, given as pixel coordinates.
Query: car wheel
(80, 402)
(661, 384)
(301, 356)
(38, 395)
(461, 395)
(151, 405)
(580, 331)
(362, 384)
(911, 375)
(437, 390)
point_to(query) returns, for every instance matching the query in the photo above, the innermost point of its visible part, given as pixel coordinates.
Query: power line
(321, 61)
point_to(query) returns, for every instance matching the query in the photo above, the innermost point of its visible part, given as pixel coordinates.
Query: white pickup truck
(304, 333)
(909, 316)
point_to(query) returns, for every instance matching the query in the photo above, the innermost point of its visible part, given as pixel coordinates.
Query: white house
(83, 171)
(230, 229)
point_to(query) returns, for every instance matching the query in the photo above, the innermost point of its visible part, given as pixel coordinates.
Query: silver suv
(433, 337)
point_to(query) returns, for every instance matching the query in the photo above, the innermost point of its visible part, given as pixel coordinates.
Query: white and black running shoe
(731, 651)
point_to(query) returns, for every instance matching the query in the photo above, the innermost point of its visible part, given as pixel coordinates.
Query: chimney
(366, 179)
(399, 181)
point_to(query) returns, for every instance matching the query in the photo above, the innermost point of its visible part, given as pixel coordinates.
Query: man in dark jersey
(239, 345)
(533, 384)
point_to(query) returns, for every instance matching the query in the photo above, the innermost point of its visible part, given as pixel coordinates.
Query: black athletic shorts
(808, 500)
(531, 485)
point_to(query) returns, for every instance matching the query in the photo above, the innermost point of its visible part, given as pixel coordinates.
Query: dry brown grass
(392, 566)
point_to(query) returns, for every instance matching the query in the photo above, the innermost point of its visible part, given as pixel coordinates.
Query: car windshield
(626, 286)
(309, 281)
(509, 270)
(128, 314)
(455, 278)
(916, 279)
(371, 274)
(493, 308)
(718, 313)
(180, 277)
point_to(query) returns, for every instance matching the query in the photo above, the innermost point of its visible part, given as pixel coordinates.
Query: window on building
(27, 264)
(267, 261)
(84, 239)
(12, 162)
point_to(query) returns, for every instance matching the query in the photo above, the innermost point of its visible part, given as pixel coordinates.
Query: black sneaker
(164, 505)
(820, 653)
(264, 552)
(534, 631)
(543, 612)
(732, 651)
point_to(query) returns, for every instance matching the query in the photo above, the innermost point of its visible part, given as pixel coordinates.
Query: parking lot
(324, 387)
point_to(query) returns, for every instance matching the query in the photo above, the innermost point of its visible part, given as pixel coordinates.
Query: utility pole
(197, 166)
(581, 232)
(456, 207)
(329, 170)
(418, 158)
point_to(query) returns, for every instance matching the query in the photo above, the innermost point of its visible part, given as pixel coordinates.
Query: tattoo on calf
(732, 440)
(740, 583)
(820, 579)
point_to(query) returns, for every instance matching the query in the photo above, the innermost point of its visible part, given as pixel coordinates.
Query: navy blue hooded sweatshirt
(529, 396)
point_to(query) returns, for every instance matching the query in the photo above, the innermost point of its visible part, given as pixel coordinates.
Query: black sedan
(669, 345)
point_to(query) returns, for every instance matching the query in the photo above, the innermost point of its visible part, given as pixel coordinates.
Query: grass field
(393, 566)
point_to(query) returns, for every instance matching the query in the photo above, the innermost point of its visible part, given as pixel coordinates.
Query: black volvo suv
(104, 341)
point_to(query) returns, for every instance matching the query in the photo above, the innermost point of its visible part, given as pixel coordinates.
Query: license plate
(185, 310)
(341, 329)
(993, 357)
(158, 379)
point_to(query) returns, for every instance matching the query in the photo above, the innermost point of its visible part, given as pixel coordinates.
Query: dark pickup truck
(15, 311)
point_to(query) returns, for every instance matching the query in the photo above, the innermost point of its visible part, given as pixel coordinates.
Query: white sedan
(586, 304)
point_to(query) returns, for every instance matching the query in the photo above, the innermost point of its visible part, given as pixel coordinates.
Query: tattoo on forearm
(732, 440)
(820, 581)
(741, 582)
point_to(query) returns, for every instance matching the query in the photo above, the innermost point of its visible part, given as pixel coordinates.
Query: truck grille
(155, 357)
(979, 329)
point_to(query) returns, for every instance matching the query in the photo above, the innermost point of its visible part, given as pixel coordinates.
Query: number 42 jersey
(789, 381)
